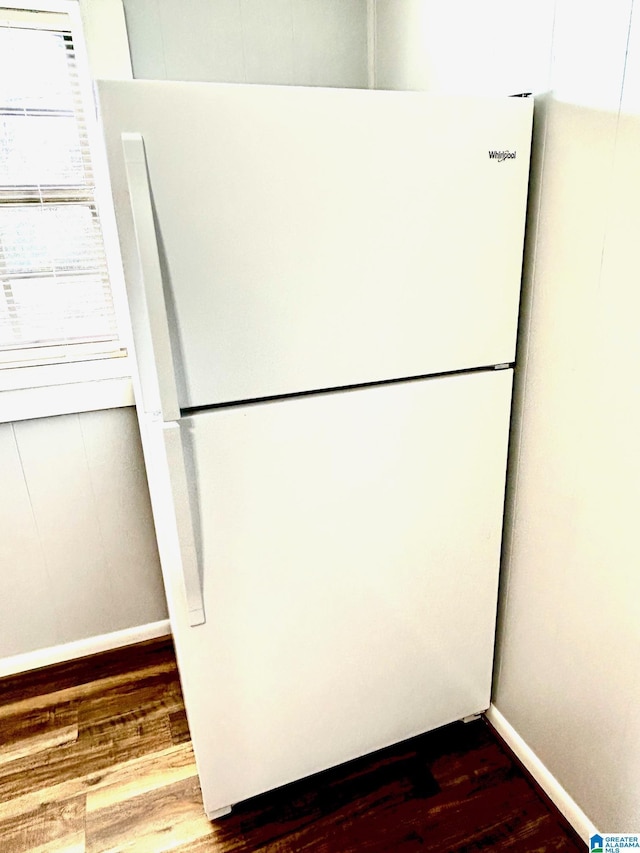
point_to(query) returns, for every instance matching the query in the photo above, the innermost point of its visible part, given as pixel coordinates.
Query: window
(56, 305)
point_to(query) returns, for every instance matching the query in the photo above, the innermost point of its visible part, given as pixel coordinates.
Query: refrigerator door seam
(360, 386)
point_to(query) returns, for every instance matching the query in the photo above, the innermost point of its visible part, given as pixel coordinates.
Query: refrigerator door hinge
(501, 366)
(470, 718)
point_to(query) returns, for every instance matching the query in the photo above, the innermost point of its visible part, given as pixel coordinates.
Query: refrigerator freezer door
(320, 238)
(350, 545)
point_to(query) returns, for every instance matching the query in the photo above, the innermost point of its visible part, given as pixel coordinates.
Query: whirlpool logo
(501, 156)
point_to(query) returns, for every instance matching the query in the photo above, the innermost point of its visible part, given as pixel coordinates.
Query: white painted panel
(330, 43)
(313, 42)
(315, 238)
(630, 105)
(350, 546)
(268, 35)
(27, 613)
(580, 34)
(64, 504)
(496, 47)
(105, 35)
(144, 30)
(202, 40)
(568, 679)
(119, 485)
(19, 404)
(397, 44)
(78, 557)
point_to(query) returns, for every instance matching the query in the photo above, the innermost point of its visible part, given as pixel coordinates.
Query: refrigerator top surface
(319, 238)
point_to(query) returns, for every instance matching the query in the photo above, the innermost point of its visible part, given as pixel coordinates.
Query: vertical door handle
(184, 523)
(158, 385)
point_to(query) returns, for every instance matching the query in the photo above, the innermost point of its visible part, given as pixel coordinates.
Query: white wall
(567, 674)
(567, 677)
(304, 42)
(495, 47)
(105, 36)
(78, 557)
(77, 552)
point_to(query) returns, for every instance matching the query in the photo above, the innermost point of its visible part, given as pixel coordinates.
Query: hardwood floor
(95, 756)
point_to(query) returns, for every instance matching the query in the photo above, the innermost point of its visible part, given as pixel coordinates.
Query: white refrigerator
(324, 290)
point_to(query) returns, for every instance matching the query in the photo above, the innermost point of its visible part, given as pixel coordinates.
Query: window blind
(55, 297)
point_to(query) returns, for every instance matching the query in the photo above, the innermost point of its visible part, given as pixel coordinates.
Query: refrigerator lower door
(349, 544)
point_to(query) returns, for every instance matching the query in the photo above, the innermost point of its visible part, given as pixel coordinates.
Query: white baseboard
(81, 648)
(547, 781)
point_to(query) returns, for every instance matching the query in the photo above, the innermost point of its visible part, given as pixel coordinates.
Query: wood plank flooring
(95, 756)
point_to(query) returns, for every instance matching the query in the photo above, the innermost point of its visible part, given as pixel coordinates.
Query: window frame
(44, 390)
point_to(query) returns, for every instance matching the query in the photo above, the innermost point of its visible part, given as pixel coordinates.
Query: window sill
(40, 392)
